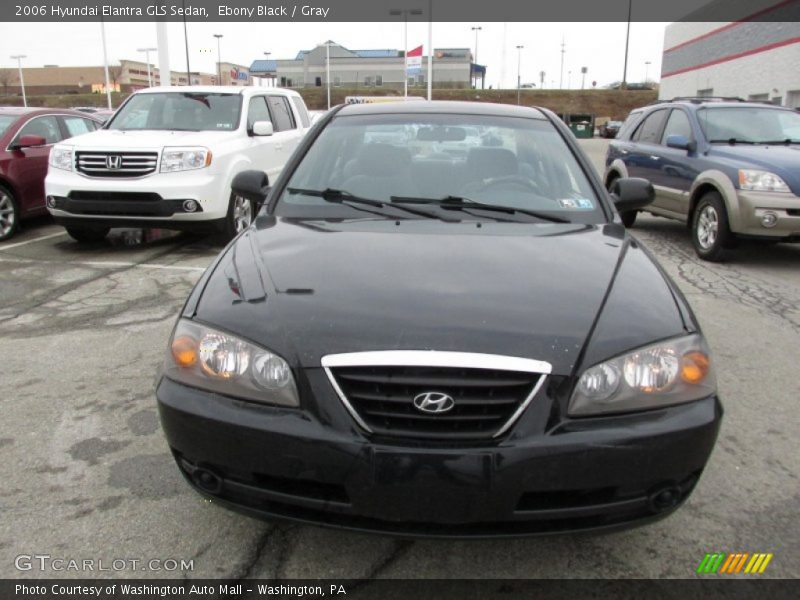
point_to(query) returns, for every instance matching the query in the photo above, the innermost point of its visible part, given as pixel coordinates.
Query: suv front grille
(116, 164)
(486, 401)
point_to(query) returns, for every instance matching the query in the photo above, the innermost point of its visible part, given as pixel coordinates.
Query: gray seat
(380, 171)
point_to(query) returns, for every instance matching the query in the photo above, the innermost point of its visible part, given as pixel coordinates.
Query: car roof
(217, 89)
(440, 107)
(20, 111)
(715, 103)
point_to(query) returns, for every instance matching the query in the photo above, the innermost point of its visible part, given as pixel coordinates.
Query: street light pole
(584, 70)
(624, 84)
(519, 76)
(476, 30)
(646, 70)
(266, 54)
(18, 58)
(147, 52)
(396, 12)
(219, 59)
(563, 50)
(328, 70)
(186, 45)
(430, 49)
(105, 62)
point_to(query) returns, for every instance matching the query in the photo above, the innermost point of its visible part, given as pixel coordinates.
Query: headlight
(184, 159)
(61, 158)
(761, 181)
(212, 360)
(666, 373)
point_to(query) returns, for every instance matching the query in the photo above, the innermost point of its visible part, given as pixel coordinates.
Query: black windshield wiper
(786, 141)
(730, 141)
(341, 197)
(462, 203)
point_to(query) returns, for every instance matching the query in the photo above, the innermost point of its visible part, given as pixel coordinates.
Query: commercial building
(127, 76)
(750, 59)
(452, 67)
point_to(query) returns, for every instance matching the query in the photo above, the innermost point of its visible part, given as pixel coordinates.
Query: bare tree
(114, 73)
(7, 77)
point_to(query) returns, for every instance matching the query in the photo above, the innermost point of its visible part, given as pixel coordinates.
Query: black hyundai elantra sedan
(444, 332)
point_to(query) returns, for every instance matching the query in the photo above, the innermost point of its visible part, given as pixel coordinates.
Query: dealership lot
(88, 475)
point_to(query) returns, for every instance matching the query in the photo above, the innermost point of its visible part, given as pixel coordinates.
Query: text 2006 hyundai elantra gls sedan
(442, 331)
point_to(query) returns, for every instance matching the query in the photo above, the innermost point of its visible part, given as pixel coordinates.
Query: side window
(257, 111)
(649, 132)
(282, 118)
(677, 124)
(301, 109)
(46, 127)
(78, 125)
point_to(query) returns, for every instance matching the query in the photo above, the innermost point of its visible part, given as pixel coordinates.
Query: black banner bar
(418, 10)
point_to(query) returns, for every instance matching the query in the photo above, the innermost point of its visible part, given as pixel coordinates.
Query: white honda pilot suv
(167, 158)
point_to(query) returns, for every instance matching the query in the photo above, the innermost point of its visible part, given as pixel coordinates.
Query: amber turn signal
(694, 367)
(184, 351)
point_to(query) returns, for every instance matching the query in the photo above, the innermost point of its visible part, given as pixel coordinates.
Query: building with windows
(127, 76)
(452, 67)
(755, 58)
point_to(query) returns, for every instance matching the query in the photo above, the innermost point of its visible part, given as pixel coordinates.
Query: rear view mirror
(28, 141)
(441, 134)
(263, 128)
(681, 142)
(631, 193)
(253, 185)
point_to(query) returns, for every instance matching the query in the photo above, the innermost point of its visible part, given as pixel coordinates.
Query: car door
(678, 167)
(288, 132)
(643, 155)
(29, 165)
(264, 150)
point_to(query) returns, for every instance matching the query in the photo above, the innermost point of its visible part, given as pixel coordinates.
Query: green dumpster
(581, 125)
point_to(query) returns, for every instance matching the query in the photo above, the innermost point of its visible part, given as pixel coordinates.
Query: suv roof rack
(702, 99)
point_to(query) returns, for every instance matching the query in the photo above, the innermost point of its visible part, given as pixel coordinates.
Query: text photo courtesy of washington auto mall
(399, 299)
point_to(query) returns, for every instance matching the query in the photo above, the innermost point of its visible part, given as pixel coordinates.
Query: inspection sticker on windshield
(576, 203)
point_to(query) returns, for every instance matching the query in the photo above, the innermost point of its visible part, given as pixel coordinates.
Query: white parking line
(38, 239)
(101, 263)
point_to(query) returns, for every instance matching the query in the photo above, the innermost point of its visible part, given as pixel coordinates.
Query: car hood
(308, 289)
(114, 139)
(781, 159)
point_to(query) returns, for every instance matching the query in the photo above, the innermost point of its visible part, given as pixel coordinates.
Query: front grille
(485, 399)
(116, 164)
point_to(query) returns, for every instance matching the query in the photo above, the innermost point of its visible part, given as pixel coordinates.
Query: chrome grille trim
(432, 358)
(133, 164)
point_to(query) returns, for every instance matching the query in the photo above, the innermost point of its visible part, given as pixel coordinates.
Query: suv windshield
(749, 124)
(441, 161)
(179, 111)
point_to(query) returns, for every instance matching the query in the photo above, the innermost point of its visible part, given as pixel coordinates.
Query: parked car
(26, 137)
(609, 129)
(729, 169)
(418, 346)
(167, 158)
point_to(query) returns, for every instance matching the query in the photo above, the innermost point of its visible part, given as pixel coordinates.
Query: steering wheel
(513, 181)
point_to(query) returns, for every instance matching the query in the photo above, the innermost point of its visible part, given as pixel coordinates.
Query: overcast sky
(598, 46)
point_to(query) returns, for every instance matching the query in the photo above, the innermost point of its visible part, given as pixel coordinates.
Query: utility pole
(646, 70)
(541, 79)
(18, 58)
(105, 62)
(519, 76)
(219, 59)
(584, 70)
(328, 70)
(561, 80)
(430, 50)
(476, 30)
(186, 45)
(624, 84)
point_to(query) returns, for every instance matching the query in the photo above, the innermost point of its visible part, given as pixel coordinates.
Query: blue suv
(728, 168)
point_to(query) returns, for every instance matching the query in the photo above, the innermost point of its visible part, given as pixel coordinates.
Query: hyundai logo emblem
(434, 402)
(113, 162)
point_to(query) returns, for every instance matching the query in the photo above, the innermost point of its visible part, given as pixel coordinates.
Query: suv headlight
(61, 158)
(761, 181)
(661, 374)
(206, 358)
(184, 159)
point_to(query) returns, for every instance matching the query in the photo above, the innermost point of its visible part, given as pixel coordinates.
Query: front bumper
(580, 474)
(754, 205)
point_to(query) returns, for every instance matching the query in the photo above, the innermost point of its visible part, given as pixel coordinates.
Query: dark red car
(26, 136)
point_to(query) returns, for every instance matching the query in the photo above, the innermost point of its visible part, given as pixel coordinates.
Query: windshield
(179, 111)
(749, 124)
(438, 161)
(5, 122)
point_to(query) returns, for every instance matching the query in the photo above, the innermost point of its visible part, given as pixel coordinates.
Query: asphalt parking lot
(87, 474)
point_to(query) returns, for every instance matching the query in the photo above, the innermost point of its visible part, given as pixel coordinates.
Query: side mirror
(681, 142)
(253, 185)
(263, 128)
(28, 141)
(632, 193)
